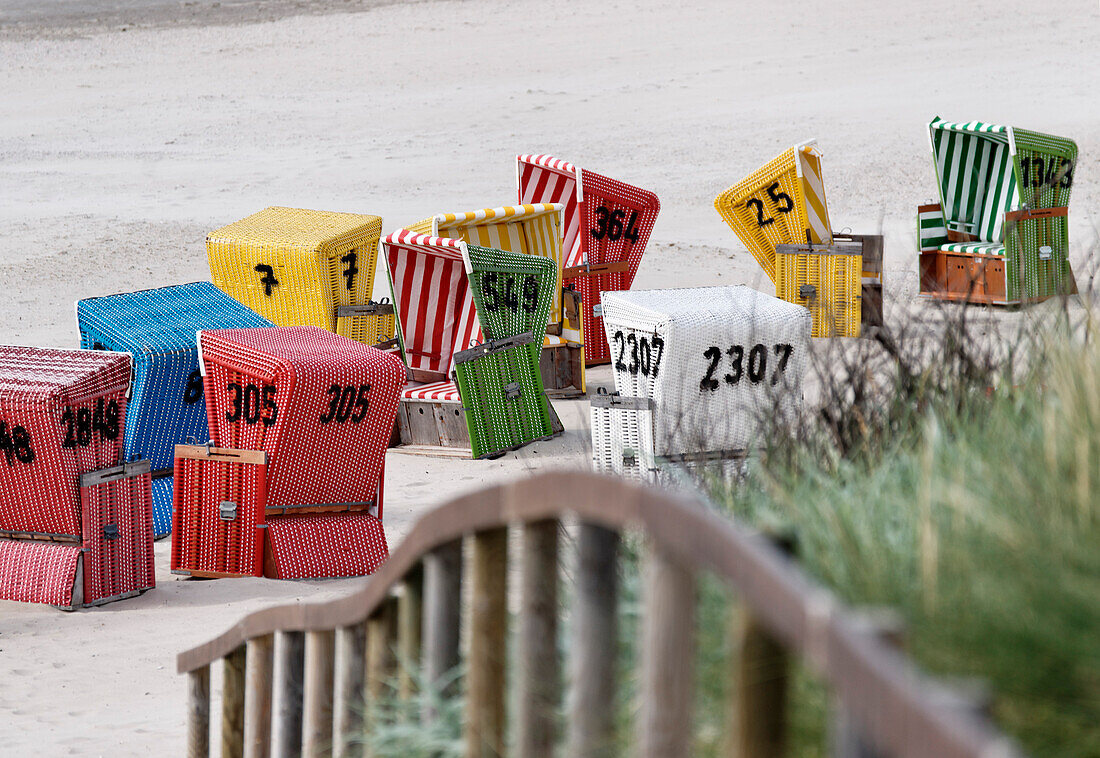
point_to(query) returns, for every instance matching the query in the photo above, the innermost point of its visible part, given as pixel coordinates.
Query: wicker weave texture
(296, 266)
(322, 406)
(327, 545)
(718, 362)
(62, 413)
(37, 572)
(622, 442)
(202, 539)
(118, 538)
(504, 400)
(828, 284)
(157, 327)
(604, 221)
(778, 204)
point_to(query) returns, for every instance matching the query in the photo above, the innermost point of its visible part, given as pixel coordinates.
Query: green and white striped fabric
(977, 181)
(982, 248)
(931, 229)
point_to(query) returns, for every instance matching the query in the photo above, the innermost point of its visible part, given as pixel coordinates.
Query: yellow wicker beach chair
(305, 268)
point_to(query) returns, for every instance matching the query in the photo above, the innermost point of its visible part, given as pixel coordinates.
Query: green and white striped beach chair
(1000, 233)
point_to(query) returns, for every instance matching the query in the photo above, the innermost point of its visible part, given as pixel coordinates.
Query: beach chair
(76, 524)
(606, 226)
(322, 407)
(471, 322)
(1000, 233)
(780, 214)
(533, 230)
(699, 374)
(305, 268)
(157, 327)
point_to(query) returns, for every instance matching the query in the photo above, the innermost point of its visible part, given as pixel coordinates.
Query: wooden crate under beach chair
(781, 215)
(76, 522)
(452, 299)
(606, 226)
(534, 229)
(1000, 233)
(305, 268)
(157, 327)
(699, 375)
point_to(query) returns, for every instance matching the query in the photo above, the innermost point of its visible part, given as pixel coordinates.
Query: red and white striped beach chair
(533, 229)
(606, 225)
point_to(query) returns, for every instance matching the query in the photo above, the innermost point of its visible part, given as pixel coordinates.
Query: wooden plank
(442, 620)
(351, 643)
(258, 685)
(198, 713)
(381, 657)
(667, 657)
(233, 704)
(435, 451)
(539, 668)
(410, 608)
(290, 688)
(231, 455)
(488, 643)
(849, 741)
(320, 667)
(594, 644)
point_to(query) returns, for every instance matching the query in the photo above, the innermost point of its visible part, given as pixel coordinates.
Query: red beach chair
(606, 228)
(76, 524)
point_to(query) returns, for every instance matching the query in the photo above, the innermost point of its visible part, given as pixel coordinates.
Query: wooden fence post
(442, 619)
(410, 607)
(539, 673)
(198, 713)
(257, 720)
(351, 643)
(848, 739)
(488, 641)
(320, 652)
(594, 644)
(233, 704)
(668, 657)
(290, 688)
(760, 705)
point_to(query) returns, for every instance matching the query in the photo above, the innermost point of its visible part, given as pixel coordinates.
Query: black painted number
(82, 423)
(614, 225)
(645, 353)
(782, 200)
(351, 270)
(1036, 172)
(268, 279)
(755, 368)
(252, 403)
(16, 444)
(502, 291)
(193, 393)
(347, 403)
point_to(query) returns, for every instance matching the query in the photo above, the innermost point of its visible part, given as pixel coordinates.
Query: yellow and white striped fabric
(778, 204)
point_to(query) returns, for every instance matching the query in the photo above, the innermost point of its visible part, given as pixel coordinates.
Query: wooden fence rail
(336, 656)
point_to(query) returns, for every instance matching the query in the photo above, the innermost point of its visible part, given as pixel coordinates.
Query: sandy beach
(130, 129)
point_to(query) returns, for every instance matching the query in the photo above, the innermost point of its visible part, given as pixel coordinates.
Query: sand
(129, 129)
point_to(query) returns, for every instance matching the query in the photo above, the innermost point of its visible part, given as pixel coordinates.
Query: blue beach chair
(158, 328)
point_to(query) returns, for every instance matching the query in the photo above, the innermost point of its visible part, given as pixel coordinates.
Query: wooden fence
(411, 609)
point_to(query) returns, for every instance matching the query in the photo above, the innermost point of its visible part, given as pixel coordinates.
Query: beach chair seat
(301, 267)
(781, 215)
(715, 365)
(226, 526)
(452, 298)
(75, 519)
(606, 226)
(157, 327)
(1000, 233)
(536, 230)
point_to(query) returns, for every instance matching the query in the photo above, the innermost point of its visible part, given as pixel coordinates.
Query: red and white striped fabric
(311, 546)
(439, 392)
(431, 291)
(591, 234)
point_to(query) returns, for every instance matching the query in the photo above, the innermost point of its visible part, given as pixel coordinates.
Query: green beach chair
(1000, 233)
